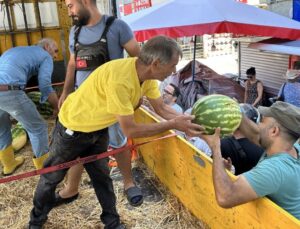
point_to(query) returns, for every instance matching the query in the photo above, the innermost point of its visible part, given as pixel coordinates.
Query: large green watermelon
(19, 137)
(45, 109)
(214, 111)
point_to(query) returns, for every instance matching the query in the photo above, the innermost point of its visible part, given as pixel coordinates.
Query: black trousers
(67, 146)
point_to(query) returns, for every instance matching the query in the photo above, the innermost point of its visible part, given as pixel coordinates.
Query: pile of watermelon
(216, 110)
(45, 109)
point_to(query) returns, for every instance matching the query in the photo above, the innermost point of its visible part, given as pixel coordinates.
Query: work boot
(9, 162)
(39, 162)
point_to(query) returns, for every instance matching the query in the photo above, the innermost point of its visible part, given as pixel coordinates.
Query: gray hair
(46, 41)
(160, 48)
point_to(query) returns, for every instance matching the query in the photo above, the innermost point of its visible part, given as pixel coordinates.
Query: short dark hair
(176, 90)
(251, 71)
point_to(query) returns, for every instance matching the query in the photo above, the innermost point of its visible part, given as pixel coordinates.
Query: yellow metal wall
(188, 174)
(60, 34)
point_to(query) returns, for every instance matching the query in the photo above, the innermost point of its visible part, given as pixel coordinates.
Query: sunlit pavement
(220, 64)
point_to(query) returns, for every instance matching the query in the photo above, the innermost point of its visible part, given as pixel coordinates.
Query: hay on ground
(160, 209)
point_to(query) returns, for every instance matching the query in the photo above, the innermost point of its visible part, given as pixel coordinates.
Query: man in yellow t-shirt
(109, 95)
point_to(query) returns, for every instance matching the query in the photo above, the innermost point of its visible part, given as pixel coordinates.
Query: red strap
(83, 160)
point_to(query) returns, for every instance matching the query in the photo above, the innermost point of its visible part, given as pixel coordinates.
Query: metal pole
(9, 23)
(194, 58)
(114, 8)
(38, 17)
(25, 22)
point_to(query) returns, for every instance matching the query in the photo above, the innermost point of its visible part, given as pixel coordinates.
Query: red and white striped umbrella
(178, 18)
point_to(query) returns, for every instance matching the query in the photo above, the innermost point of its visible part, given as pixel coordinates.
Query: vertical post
(239, 58)
(194, 58)
(114, 8)
(25, 22)
(9, 19)
(38, 17)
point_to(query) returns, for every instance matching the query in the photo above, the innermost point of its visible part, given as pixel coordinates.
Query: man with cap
(278, 169)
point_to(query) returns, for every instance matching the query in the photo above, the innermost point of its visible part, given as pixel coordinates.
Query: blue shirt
(177, 108)
(19, 64)
(278, 177)
(118, 34)
(291, 93)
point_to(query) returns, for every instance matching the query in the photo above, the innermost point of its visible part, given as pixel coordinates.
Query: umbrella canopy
(178, 18)
(278, 46)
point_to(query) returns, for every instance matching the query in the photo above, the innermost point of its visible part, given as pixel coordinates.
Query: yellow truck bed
(187, 172)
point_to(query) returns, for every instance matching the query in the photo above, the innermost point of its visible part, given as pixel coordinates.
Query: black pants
(66, 147)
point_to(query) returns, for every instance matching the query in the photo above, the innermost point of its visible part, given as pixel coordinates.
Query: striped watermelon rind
(216, 110)
(19, 137)
(45, 109)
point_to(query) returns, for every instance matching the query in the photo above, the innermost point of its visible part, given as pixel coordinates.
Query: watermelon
(19, 137)
(216, 110)
(45, 109)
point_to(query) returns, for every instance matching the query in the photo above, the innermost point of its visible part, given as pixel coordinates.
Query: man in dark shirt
(243, 153)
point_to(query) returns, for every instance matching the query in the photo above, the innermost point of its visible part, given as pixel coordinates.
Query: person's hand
(213, 140)
(227, 163)
(62, 98)
(55, 113)
(184, 123)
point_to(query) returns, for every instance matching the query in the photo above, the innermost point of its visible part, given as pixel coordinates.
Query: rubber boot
(39, 162)
(9, 162)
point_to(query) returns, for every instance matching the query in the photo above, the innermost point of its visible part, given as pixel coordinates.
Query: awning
(278, 46)
(178, 18)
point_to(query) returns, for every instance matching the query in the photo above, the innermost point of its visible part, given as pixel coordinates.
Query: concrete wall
(282, 7)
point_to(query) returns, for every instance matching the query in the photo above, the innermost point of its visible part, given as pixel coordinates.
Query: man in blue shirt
(17, 66)
(277, 173)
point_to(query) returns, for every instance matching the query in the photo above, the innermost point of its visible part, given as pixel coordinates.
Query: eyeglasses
(167, 92)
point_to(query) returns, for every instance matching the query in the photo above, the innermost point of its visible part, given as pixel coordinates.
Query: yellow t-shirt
(112, 89)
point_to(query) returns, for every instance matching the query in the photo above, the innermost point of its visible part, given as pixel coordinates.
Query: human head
(280, 120)
(251, 112)
(162, 54)
(251, 73)
(292, 75)
(171, 93)
(79, 11)
(49, 45)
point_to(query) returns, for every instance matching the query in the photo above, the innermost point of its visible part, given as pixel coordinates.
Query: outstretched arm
(162, 109)
(137, 130)
(228, 193)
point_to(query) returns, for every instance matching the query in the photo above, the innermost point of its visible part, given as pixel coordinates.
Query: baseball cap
(286, 114)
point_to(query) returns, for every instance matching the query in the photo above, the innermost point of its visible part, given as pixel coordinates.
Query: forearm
(147, 130)
(167, 112)
(53, 100)
(222, 182)
(245, 98)
(69, 80)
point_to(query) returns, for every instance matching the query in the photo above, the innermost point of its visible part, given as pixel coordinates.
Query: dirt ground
(160, 208)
